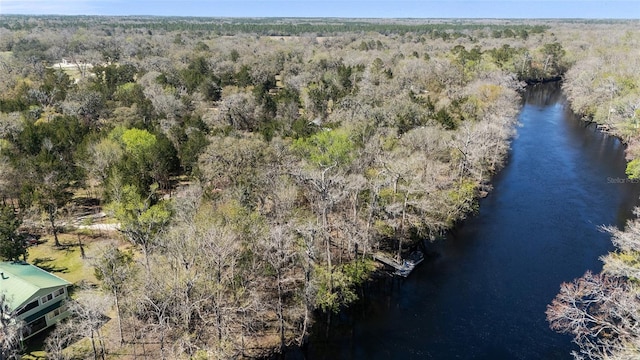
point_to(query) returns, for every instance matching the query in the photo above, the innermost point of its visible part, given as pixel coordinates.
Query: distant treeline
(277, 26)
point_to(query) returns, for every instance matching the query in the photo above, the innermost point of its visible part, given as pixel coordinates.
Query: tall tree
(281, 257)
(141, 221)
(88, 311)
(148, 157)
(115, 269)
(326, 157)
(12, 243)
(46, 151)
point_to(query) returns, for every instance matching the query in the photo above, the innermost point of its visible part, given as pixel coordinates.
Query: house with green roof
(34, 295)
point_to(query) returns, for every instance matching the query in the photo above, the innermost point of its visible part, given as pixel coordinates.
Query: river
(484, 295)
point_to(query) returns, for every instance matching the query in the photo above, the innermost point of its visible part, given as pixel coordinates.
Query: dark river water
(484, 296)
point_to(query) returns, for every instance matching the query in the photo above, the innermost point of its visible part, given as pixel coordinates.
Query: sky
(593, 9)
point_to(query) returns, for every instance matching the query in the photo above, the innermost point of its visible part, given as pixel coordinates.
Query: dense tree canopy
(600, 310)
(12, 243)
(255, 165)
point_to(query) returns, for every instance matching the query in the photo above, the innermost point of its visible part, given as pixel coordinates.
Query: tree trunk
(101, 342)
(162, 342)
(305, 323)
(135, 350)
(219, 300)
(401, 232)
(307, 281)
(144, 244)
(329, 267)
(82, 253)
(115, 295)
(93, 345)
(280, 313)
(52, 220)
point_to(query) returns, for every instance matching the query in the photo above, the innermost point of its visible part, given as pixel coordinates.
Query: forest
(600, 310)
(244, 171)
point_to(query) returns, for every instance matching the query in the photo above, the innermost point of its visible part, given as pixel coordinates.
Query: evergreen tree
(12, 244)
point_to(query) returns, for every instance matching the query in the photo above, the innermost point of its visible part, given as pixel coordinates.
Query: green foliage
(243, 76)
(130, 93)
(554, 63)
(155, 217)
(377, 65)
(327, 148)
(345, 74)
(323, 112)
(465, 56)
(335, 288)
(234, 215)
(463, 199)
(139, 219)
(277, 27)
(200, 46)
(12, 243)
(148, 157)
(554, 49)
(191, 139)
(234, 55)
(503, 56)
(139, 143)
(633, 169)
(30, 49)
(445, 119)
(211, 89)
(409, 119)
(46, 153)
(630, 258)
(195, 73)
(129, 204)
(13, 104)
(359, 271)
(319, 95)
(302, 128)
(61, 136)
(109, 77)
(55, 85)
(114, 268)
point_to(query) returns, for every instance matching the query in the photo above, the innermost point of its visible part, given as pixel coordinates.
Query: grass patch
(66, 261)
(73, 73)
(34, 355)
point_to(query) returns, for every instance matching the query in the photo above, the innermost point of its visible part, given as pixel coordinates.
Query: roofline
(37, 267)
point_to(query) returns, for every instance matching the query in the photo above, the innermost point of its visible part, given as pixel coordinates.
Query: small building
(34, 295)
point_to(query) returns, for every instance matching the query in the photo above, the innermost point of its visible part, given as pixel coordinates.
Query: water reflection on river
(485, 295)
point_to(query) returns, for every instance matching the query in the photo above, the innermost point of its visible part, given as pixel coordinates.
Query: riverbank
(602, 89)
(485, 295)
(296, 158)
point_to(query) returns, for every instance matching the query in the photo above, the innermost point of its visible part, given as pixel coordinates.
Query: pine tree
(12, 244)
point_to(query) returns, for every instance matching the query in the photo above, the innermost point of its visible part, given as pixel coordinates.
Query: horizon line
(324, 17)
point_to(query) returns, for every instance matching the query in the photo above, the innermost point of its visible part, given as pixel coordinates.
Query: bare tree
(602, 314)
(59, 339)
(12, 330)
(88, 311)
(115, 269)
(280, 253)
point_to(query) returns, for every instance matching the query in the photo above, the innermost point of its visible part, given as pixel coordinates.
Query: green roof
(22, 282)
